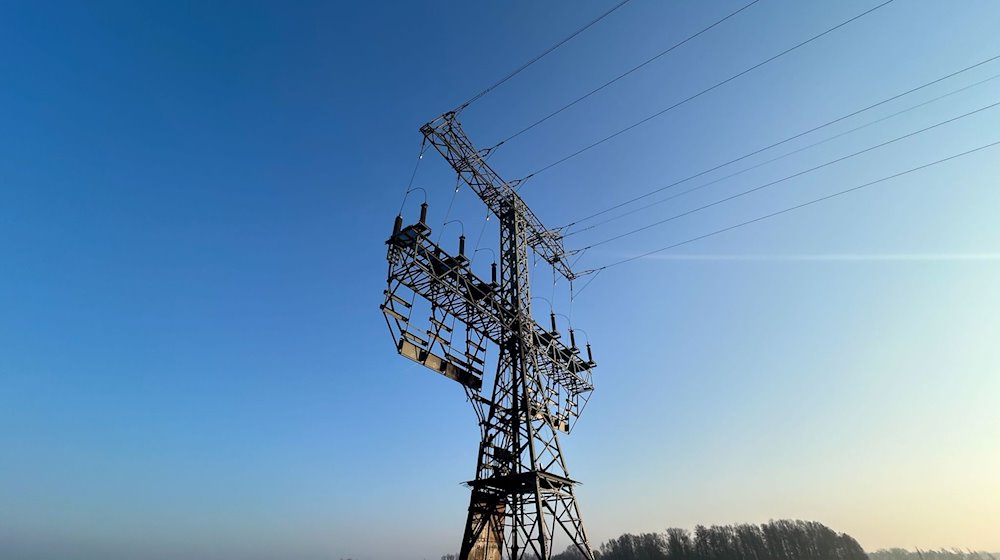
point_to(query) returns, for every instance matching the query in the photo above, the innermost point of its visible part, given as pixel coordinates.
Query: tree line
(775, 540)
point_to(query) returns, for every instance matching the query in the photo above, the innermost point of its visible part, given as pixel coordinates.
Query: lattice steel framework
(522, 494)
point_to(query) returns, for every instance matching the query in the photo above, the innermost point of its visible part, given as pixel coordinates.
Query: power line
(792, 208)
(416, 166)
(783, 179)
(784, 141)
(608, 83)
(704, 91)
(540, 56)
(774, 159)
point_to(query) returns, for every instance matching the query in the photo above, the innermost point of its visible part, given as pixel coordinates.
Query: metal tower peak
(446, 135)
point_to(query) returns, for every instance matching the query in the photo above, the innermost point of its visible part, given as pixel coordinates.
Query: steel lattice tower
(522, 494)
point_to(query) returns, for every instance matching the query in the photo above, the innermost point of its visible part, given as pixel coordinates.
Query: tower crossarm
(448, 283)
(446, 135)
(563, 364)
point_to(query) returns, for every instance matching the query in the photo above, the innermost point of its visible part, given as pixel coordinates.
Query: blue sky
(194, 198)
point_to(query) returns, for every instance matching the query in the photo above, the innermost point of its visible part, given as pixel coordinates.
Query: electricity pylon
(522, 494)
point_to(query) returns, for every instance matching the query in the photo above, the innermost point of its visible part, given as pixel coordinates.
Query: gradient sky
(194, 198)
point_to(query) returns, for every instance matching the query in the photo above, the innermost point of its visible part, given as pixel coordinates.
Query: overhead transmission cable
(416, 166)
(792, 208)
(519, 69)
(619, 77)
(774, 159)
(788, 177)
(704, 91)
(780, 142)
